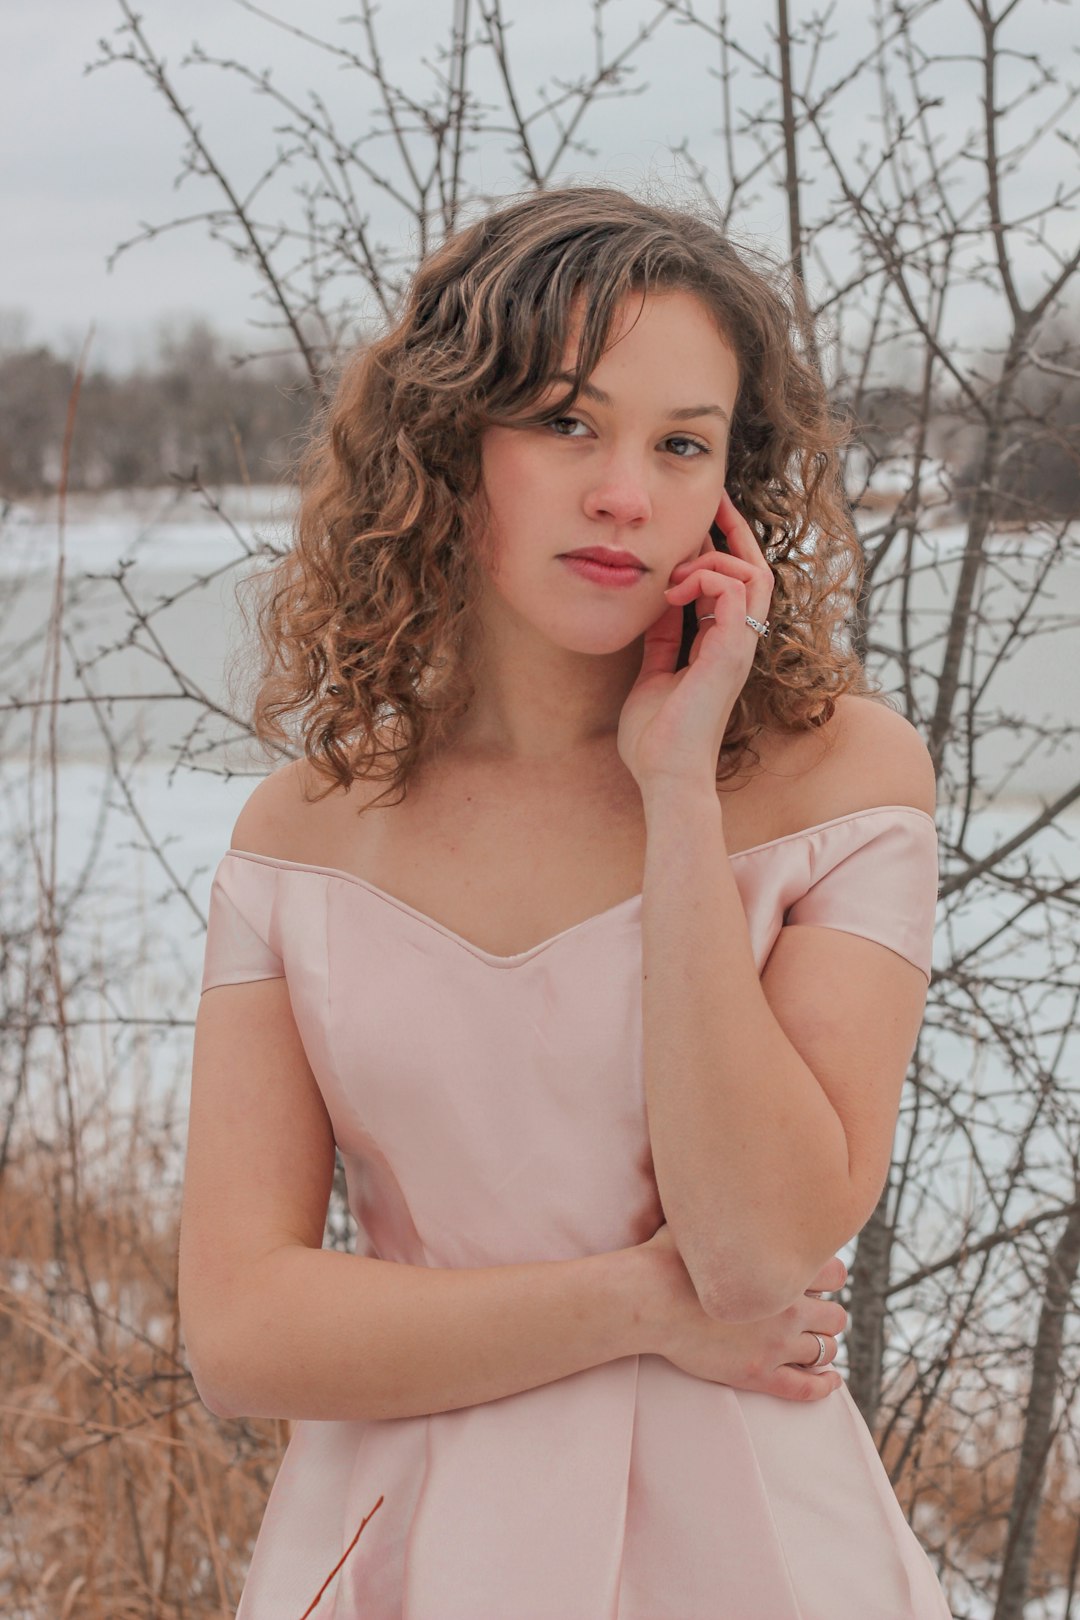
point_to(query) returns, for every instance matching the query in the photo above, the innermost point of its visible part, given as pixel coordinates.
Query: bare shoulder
(266, 823)
(295, 812)
(873, 756)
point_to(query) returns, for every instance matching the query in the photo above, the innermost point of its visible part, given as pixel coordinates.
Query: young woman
(592, 925)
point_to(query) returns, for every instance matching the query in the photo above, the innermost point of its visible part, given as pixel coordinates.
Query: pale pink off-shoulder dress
(491, 1110)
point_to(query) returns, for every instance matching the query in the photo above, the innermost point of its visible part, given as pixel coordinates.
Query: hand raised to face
(673, 721)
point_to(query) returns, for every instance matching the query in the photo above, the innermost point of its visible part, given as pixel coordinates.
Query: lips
(607, 557)
(607, 575)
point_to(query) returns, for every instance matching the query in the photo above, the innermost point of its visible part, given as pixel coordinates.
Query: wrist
(661, 790)
(641, 1293)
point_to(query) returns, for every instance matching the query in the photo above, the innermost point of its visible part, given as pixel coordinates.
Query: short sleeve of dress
(240, 929)
(876, 874)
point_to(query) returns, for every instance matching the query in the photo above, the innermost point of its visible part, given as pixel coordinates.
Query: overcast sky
(97, 154)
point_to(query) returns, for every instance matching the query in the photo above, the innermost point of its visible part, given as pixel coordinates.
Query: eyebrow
(682, 414)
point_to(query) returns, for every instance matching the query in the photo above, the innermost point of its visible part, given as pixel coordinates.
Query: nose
(619, 492)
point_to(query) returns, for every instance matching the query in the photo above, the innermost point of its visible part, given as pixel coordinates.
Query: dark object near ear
(689, 615)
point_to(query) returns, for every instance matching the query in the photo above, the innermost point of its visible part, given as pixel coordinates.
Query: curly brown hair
(363, 621)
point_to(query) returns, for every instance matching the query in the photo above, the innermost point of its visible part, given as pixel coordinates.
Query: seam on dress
(797, 1609)
(360, 1454)
(626, 1502)
(406, 1562)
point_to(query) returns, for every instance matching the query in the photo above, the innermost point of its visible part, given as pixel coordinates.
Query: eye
(689, 449)
(680, 438)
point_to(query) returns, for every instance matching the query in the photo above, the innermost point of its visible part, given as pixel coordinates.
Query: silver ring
(821, 1351)
(755, 624)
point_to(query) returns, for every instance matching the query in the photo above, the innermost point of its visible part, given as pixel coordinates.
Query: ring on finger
(762, 629)
(820, 1337)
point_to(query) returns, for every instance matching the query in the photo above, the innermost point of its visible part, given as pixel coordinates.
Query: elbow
(209, 1389)
(206, 1369)
(750, 1285)
(737, 1302)
(742, 1292)
(731, 1288)
(749, 1293)
(715, 1293)
(211, 1398)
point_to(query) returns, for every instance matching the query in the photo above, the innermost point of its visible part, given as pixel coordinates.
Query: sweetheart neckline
(530, 951)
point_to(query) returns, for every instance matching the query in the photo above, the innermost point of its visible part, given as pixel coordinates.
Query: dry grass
(128, 1497)
(957, 1486)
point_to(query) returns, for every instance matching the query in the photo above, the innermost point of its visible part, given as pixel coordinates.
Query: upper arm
(260, 1157)
(857, 1039)
(850, 1005)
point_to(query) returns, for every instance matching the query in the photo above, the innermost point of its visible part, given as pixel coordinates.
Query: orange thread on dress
(315, 1600)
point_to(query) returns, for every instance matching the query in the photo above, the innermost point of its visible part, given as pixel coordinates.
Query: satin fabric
(491, 1110)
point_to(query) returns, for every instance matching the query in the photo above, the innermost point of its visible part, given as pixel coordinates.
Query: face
(638, 465)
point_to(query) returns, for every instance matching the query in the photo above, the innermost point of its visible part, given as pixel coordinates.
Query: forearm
(322, 1334)
(743, 1137)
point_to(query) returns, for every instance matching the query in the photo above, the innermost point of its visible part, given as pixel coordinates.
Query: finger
(752, 571)
(792, 1385)
(809, 1337)
(828, 1316)
(711, 585)
(735, 529)
(663, 638)
(730, 599)
(719, 602)
(832, 1275)
(720, 562)
(744, 545)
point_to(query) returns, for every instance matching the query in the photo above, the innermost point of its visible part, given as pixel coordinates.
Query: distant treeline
(192, 406)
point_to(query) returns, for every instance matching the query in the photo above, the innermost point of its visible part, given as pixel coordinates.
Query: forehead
(666, 329)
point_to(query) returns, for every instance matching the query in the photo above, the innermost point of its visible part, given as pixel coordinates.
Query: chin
(595, 646)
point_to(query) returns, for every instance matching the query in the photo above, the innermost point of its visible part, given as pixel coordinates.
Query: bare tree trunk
(1038, 1427)
(866, 1334)
(791, 181)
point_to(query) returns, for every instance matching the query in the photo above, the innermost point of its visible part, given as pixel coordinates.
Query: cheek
(493, 485)
(505, 510)
(503, 474)
(682, 517)
(518, 485)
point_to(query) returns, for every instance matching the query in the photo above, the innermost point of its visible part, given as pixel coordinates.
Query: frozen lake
(182, 563)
